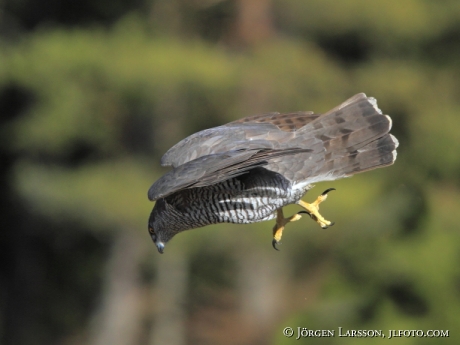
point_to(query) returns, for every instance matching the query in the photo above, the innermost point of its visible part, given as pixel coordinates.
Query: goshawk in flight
(247, 170)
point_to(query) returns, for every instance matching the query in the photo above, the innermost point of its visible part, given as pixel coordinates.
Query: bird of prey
(247, 170)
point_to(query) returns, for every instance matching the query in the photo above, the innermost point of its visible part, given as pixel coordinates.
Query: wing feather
(215, 168)
(303, 147)
(271, 130)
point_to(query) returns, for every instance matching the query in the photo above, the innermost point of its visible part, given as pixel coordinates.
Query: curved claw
(304, 212)
(326, 226)
(274, 243)
(327, 191)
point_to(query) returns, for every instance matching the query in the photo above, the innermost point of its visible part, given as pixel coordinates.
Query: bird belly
(233, 201)
(244, 210)
(255, 205)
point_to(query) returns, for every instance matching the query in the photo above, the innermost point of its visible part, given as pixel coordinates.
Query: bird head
(160, 229)
(156, 239)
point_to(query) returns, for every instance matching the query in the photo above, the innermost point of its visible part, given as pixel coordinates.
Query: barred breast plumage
(249, 198)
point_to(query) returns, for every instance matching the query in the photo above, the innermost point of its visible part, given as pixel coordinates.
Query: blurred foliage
(91, 99)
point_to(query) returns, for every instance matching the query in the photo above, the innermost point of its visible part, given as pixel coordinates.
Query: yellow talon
(280, 224)
(313, 209)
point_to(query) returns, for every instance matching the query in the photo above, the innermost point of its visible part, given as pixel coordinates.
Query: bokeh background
(93, 92)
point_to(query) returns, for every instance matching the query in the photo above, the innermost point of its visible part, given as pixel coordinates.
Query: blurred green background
(92, 93)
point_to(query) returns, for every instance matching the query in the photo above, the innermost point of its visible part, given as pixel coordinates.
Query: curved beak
(160, 246)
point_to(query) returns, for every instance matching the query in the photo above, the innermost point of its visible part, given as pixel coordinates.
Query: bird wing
(267, 131)
(353, 137)
(272, 130)
(214, 168)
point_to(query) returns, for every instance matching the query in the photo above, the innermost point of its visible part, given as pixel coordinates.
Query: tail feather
(378, 153)
(351, 138)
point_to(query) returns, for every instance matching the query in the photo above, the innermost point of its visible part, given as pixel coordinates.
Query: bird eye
(152, 234)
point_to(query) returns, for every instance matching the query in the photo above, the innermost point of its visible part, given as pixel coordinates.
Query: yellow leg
(280, 224)
(313, 209)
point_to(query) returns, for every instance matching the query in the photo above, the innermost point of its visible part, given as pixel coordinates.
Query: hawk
(247, 170)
